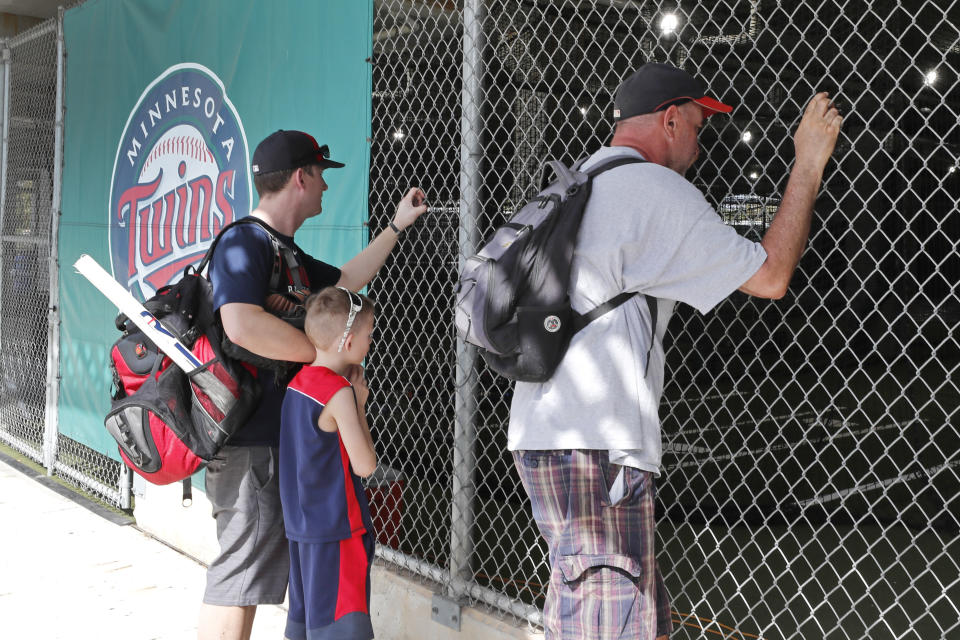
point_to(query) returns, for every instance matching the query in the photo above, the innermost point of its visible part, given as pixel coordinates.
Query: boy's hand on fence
(360, 388)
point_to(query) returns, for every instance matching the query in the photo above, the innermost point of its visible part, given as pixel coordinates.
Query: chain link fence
(810, 471)
(29, 92)
(30, 185)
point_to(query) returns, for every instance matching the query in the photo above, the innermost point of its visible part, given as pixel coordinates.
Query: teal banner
(165, 103)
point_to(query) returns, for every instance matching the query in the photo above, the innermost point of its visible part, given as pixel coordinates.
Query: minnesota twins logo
(180, 176)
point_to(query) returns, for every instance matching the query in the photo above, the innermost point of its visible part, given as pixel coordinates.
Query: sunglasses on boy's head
(355, 308)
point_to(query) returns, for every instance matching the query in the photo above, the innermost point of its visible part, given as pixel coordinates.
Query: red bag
(168, 425)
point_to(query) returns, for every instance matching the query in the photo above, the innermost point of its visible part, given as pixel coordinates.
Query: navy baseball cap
(655, 86)
(283, 150)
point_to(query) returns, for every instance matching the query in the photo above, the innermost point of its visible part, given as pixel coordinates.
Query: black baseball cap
(655, 86)
(283, 150)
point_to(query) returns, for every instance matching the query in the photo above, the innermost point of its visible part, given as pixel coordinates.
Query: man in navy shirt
(242, 484)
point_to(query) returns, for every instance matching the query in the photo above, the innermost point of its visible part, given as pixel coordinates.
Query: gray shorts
(254, 562)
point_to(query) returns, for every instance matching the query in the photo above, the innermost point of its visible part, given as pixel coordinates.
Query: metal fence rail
(810, 476)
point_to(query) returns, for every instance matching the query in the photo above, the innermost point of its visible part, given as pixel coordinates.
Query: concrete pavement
(68, 572)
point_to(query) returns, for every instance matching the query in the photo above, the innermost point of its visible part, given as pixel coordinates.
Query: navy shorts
(330, 590)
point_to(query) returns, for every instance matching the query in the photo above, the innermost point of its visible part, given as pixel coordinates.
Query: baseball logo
(551, 324)
(180, 175)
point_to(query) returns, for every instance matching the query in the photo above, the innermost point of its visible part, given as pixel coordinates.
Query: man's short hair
(327, 313)
(269, 183)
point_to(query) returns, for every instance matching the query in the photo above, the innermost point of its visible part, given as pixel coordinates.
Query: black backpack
(513, 295)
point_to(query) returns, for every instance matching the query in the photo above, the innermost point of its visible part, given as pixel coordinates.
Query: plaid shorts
(604, 579)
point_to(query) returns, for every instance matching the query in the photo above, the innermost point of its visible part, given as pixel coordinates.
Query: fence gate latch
(445, 611)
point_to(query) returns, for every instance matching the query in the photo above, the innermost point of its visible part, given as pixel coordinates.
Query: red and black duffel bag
(169, 424)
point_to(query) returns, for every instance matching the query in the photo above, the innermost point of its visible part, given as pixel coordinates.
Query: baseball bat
(133, 309)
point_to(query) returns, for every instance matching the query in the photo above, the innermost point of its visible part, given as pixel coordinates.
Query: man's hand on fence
(413, 205)
(817, 133)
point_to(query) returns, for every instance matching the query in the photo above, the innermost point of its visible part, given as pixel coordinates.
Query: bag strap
(652, 306)
(283, 256)
(293, 266)
(582, 320)
(565, 176)
(281, 253)
(612, 163)
(213, 245)
(187, 498)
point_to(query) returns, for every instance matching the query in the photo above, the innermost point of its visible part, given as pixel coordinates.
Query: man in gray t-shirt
(587, 442)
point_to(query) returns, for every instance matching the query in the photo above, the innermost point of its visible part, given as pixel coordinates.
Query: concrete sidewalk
(68, 572)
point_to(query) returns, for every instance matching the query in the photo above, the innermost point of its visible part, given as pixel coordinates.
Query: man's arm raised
(361, 269)
(787, 236)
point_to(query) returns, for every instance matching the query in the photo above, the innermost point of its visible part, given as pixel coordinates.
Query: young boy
(325, 445)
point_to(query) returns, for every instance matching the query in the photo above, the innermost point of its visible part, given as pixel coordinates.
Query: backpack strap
(187, 499)
(213, 245)
(282, 254)
(612, 163)
(652, 306)
(582, 320)
(292, 264)
(283, 257)
(565, 177)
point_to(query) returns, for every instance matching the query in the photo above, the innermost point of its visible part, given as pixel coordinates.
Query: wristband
(395, 228)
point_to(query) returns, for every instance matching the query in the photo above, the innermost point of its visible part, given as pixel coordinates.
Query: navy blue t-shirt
(240, 272)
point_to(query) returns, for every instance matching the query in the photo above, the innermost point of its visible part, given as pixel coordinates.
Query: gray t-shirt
(645, 229)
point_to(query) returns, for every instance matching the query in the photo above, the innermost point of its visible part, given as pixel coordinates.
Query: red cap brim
(711, 106)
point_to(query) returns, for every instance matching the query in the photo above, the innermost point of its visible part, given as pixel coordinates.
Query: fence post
(51, 417)
(3, 164)
(471, 149)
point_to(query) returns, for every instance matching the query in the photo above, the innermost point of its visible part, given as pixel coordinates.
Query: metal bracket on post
(445, 611)
(127, 483)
